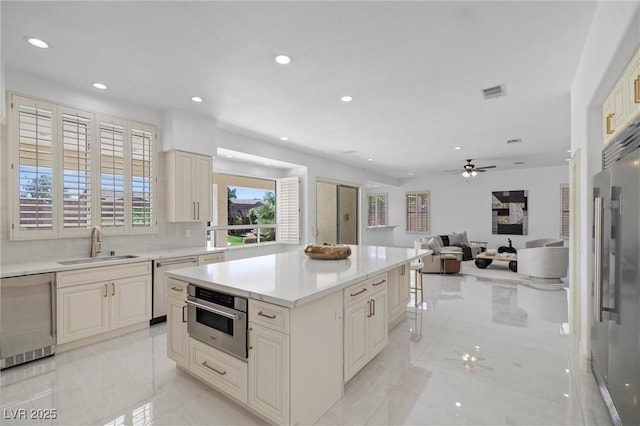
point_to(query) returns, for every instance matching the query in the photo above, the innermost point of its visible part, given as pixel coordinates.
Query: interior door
(347, 215)
(326, 213)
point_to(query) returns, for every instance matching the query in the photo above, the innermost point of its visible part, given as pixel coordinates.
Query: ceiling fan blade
(485, 167)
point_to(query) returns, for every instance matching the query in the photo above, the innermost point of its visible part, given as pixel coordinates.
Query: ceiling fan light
(474, 173)
(466, 174)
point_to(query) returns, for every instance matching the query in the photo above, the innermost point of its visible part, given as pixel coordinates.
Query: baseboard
(101, 337)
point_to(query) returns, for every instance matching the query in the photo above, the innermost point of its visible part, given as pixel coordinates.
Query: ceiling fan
(470, 170)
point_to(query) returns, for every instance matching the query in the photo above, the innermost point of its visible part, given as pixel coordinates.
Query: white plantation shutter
(564, 211)
(377, 210)
(112, 175)
(288, 210)
(33, 167)
(142, 177)
(417, 204)
(76, 169)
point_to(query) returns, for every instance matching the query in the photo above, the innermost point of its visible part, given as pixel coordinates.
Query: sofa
(448, 251)
(545, 259)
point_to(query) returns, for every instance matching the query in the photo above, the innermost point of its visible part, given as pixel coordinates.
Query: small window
(377, 210)
(417, 204)
(564, 211)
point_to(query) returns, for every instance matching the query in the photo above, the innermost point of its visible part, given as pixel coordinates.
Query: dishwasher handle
(170, 262)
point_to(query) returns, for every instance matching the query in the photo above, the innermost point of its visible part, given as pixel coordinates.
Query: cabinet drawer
(271, 316)
(205, 259)
(356, 292)
(102, 273)
(224, 372)
(177, 288)
(378, 282)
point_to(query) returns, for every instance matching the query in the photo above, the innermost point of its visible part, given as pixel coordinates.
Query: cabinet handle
(198, 203)
(183, 311)
(609, 129)
(373, 302)
(377, 284)
(249, 338)
(176, 288)
(113, 289)
(369, 314)
(105, 290)
(194, 210)
(359, 292)
(636, 90)
(222, 373)
(266, 315)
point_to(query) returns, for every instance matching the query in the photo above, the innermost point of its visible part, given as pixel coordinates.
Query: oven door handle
(215, 311)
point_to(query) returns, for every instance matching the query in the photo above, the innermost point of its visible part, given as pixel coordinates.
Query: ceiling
(414, 69)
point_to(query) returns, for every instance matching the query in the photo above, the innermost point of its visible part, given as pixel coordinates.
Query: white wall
(458, 205)
(612, 39)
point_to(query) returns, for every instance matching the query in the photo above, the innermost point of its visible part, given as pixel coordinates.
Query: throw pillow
(433, 244)
(444, 240)
(455, 239)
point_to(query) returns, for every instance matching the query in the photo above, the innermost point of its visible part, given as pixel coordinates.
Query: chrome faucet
(96, 239)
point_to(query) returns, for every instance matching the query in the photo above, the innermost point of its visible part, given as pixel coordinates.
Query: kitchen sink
(97, 259)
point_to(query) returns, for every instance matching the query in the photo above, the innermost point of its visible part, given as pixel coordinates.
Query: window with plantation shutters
(76, 169)
(34, 124)
(288, 210)
(417, 206)
(564, 211)
(142, 214)
(112, 173)
(377, 210)
(72, 170)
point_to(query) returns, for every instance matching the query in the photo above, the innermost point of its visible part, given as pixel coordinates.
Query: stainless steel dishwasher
(27, 318)
(160, 266)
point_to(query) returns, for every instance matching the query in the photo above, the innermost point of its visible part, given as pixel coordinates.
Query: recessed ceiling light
(568, 150)
(370, 159)
(229, 156)
(284, 138)
(346, 98)
(37, 42)
(283, 59)
(458, 148)
(196, 99)
(567, 159)
(410, 173)
(99, 85)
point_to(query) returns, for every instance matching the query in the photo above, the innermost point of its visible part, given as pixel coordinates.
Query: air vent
(494, 92)
(514, 140)
(518, 162)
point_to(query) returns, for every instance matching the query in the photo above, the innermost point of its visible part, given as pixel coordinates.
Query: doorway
(337, 218)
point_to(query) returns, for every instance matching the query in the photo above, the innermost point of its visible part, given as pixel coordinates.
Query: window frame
(427, 196)
(376, 213)
(58, 229)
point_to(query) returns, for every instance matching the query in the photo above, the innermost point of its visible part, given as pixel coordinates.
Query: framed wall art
(509, 213)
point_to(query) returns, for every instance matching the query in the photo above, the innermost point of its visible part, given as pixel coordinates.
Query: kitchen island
(312, 325)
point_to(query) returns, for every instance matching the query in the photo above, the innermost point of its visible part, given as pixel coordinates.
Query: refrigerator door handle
(597, 264)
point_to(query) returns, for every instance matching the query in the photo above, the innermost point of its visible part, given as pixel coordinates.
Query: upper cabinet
(622, 105)
(189, 187)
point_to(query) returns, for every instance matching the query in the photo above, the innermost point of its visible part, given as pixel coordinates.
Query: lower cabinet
(366, 322)
(86, 309)
(177, 337)
(269, 373)
(398, 293)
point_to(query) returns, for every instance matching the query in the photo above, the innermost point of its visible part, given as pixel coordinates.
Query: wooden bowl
(322, 252)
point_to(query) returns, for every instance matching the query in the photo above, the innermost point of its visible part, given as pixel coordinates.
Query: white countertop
(44, 266)
(291, 279)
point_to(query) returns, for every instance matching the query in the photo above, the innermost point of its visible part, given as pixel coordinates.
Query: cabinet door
(378, 323)
(177, 338)
(633, 87)
(83, 311)
(356, 353)
(620, 96)
(203, 187)
(608, 120)
(404, 282)
(394, 292)
(269, 373)
(131, 301)
(185, 206)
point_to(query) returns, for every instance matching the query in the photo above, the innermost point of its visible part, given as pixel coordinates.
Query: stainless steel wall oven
(218, 319)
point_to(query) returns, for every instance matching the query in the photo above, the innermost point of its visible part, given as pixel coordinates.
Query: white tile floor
(477, 352)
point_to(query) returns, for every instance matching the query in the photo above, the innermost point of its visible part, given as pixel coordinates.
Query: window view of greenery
(250, 206)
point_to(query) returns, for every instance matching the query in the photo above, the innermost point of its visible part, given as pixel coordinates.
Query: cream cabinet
(398, 294)
(206, 259)
(177, 337)
(622, 106)
(93, 301)
(189, 187)
(269, 373)
(366, 322)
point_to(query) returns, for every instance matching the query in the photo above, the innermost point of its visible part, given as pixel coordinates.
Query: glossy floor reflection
(476, 352)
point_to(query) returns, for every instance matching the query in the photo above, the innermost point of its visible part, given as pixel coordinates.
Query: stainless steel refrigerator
(615, 331)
